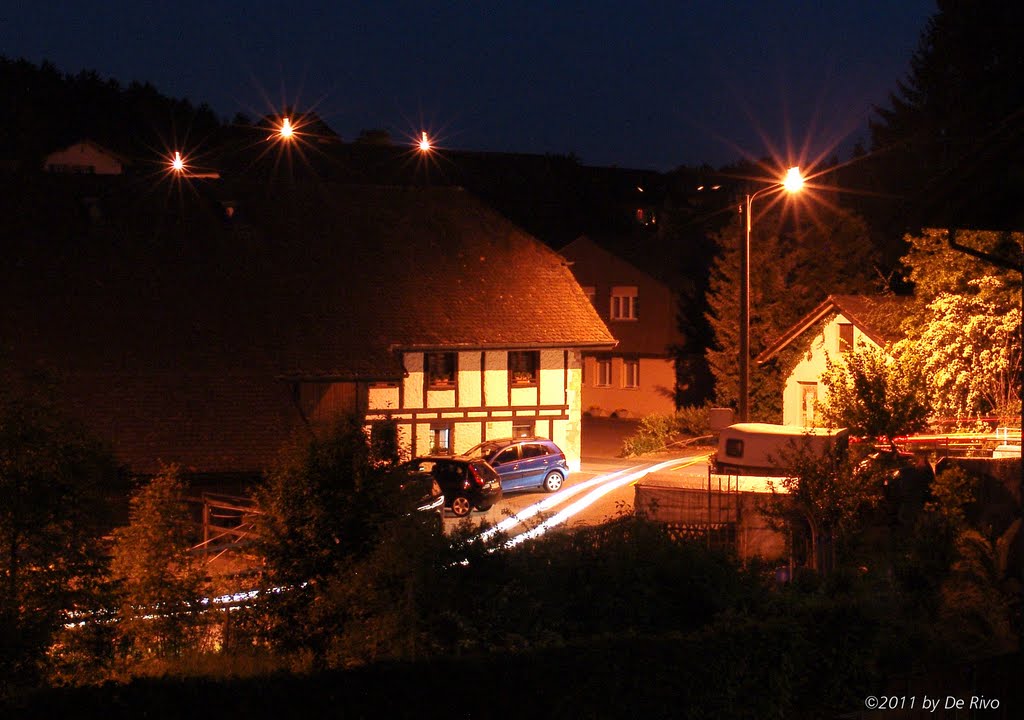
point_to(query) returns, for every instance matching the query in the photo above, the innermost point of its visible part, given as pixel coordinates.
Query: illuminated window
(440, 369)
(440, 439)
(521, 431)
(523, 367)
(631, 373)
(808, 401)
(845, 337)
(625, 304)
(604, 372)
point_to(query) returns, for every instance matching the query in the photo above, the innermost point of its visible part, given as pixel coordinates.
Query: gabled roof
(878, 317)
(173, 325)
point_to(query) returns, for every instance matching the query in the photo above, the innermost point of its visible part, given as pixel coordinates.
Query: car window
(534, 450)
(509, 454)
(485, 471)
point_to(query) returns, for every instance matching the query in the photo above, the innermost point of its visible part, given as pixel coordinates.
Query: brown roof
(877, 316)
(172, 324)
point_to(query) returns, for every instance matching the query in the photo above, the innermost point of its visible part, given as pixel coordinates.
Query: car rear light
(476, 476)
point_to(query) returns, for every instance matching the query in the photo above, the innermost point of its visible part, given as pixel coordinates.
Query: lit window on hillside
(440, 369)
(625, 303)
(523, 367)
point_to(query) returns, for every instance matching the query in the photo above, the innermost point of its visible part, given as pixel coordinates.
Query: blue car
(524, 463)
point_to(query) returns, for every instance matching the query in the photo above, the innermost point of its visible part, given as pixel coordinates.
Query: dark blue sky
(638, 84)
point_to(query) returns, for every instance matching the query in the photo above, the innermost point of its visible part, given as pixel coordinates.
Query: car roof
(512, 441)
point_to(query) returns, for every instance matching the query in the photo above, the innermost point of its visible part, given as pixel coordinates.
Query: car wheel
(461, 506)
(553, 481)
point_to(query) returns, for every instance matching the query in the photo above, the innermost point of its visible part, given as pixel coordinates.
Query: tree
(321, 510)
(159, 581)
(875, 395)
(969, 347)
(792, 270)
(51, 477)
(828, 497)
(965, 328)
(949, 146)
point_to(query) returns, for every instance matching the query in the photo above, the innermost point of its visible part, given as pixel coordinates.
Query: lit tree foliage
(966, 327)
(874, 395)
(969, 347)
(160, 582)
(791, 271)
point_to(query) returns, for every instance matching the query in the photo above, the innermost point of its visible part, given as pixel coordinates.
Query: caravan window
(734, 448)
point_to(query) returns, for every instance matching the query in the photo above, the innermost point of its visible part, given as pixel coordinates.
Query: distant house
(85, 158)
(638, 376)
(837, 326)
(179, 332)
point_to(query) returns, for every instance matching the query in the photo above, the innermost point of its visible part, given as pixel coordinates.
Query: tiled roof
(877, 316)
(172, 325)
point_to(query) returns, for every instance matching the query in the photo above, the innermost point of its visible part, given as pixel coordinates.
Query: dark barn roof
(172, 326)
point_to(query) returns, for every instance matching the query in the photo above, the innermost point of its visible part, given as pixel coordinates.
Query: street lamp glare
(794, 181)
(177, 162)
(286, 131)
(424, 142)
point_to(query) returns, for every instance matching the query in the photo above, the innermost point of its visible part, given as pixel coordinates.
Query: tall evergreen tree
(949, 148)
(795, 264)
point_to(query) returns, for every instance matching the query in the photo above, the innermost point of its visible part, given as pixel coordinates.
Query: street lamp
(424, 144)
(793, 182)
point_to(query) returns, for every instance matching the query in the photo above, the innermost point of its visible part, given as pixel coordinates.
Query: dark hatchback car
(416, 492)
(467, 483)
(524, 463)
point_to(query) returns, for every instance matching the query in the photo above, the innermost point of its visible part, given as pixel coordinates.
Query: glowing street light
(424, 143)
(287, 132)
(793, 182)
(177, 162)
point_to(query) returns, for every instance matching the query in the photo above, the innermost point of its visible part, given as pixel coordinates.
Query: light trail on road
(602, 485)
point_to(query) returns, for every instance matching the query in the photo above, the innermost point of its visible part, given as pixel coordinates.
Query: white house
(839, 325)
(85, 158)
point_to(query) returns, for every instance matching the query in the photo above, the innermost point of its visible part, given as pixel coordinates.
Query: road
(601, 491)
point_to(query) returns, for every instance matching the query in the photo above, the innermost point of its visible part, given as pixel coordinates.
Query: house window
(591, 292)
(630, 373)
(523, 366)
(440, 370)
(440, 439)
(521, 431)
(625, 303)
(604, 372)
(845, 337)
(808, 399)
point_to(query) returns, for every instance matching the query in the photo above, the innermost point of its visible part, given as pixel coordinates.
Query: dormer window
(625, 303)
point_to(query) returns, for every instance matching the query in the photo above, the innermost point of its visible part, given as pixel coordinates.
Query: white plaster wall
(470, 386)
(413, 385)
(496, 379)
(383, 398)
(552, 377)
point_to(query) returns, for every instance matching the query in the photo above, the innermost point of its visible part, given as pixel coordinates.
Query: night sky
(640, 84)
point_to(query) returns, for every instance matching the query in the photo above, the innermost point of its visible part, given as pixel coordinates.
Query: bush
(655, 432)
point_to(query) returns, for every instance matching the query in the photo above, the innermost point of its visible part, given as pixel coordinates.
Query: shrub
(655, 432)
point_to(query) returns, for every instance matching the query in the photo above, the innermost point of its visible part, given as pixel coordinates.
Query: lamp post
(792, 183)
